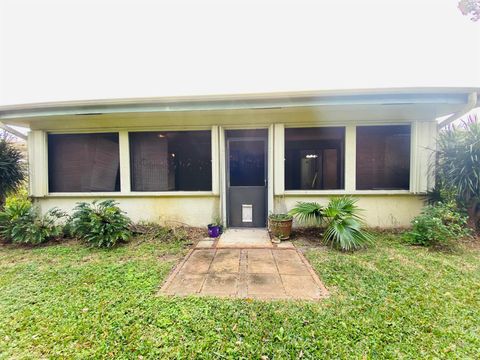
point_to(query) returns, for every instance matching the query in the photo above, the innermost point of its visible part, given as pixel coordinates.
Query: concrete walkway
(259, 273)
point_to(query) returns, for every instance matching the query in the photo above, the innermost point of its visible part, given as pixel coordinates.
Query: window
(171, 161)
(83, 163)
(314, 158)
(383, 157)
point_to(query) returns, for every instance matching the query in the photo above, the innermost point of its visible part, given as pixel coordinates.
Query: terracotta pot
(280, 228)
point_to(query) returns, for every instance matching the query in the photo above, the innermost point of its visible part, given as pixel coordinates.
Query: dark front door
(247, 178)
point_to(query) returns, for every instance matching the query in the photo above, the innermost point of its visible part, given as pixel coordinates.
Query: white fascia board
(425, 96)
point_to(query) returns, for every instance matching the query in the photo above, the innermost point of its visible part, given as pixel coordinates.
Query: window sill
(131, 194)
(345, 192)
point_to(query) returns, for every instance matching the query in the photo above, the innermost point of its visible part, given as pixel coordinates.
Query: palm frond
(308, 213)
(344, 229)
(342, 206)
(347, 234)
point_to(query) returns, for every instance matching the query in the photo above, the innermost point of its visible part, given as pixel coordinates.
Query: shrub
(342, 220)
(149, 231)
(12, 170)
(438, 225)
(100, 224)
(21, 223)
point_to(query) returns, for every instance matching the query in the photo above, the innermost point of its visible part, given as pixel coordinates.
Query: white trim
(38, 162)
(13, 131)
(223, 175)
(350, 158)
(124, 153)
(271, 169)
(215, 157)
(377, 97)
(279, 158)
(345, 192)
(471, 104)
(129, 129)
(131, 194)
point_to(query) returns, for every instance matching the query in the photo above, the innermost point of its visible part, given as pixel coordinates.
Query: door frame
(265, 171)
(223, 209)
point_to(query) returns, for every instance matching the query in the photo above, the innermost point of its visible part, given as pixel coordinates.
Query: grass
(390, 301)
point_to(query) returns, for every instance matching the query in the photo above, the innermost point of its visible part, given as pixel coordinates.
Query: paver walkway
(260, 273)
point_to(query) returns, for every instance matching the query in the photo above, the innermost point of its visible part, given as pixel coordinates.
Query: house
(239, 157)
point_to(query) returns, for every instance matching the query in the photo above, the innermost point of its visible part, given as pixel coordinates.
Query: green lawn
(391, 301)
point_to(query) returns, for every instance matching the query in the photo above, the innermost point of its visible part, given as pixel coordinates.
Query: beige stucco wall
(385, 211)
(191, 210)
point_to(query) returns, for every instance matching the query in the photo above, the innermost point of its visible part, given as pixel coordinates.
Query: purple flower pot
(214, 230)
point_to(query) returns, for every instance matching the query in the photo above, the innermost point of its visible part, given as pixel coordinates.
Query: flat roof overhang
(436, 101)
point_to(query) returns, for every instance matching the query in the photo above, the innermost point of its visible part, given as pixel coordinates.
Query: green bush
(149, 231)
(342, 221)
(280, 217)
(100, 224)
(441, 224)
(21, 223)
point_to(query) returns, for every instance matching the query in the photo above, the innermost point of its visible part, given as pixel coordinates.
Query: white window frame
(39, 177)
(350, 160)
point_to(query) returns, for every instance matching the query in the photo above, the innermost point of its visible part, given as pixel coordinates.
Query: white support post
(271, 169)
(279, 159)
(38, 163)
(124, 145)
(350, 158)
(215, 161)
(222, 177)
(423, 143)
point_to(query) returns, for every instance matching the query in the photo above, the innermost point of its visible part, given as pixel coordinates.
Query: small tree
(12, 169)
(458, 165)
(470, 7)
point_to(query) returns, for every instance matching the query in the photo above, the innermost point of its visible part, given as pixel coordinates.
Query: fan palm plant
(344, 225)
(342, 221)
(12, 170)
(458, 164)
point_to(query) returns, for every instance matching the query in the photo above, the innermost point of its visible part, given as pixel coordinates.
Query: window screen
(83, 163)
(247, 162)
(314, 158)
(171, 161)
(383, 157)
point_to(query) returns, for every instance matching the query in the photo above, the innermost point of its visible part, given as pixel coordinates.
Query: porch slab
(245, 238)
(245, 273)
(226, 261)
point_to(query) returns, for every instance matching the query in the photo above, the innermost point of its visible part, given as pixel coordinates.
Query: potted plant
(215, 229)
(280, 225)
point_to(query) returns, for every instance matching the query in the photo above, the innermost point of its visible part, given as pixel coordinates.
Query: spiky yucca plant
(342, 221)
(12, 170)
(458, 165)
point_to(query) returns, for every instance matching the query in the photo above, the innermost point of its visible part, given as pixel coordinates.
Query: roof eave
(341, 98)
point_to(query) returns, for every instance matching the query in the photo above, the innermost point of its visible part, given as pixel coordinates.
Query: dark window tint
(383, 157)
(83, 163)
(247, 162)
(314, 158)
(169, 161)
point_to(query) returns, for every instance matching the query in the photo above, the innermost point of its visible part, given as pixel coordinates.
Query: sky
(77, 50)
